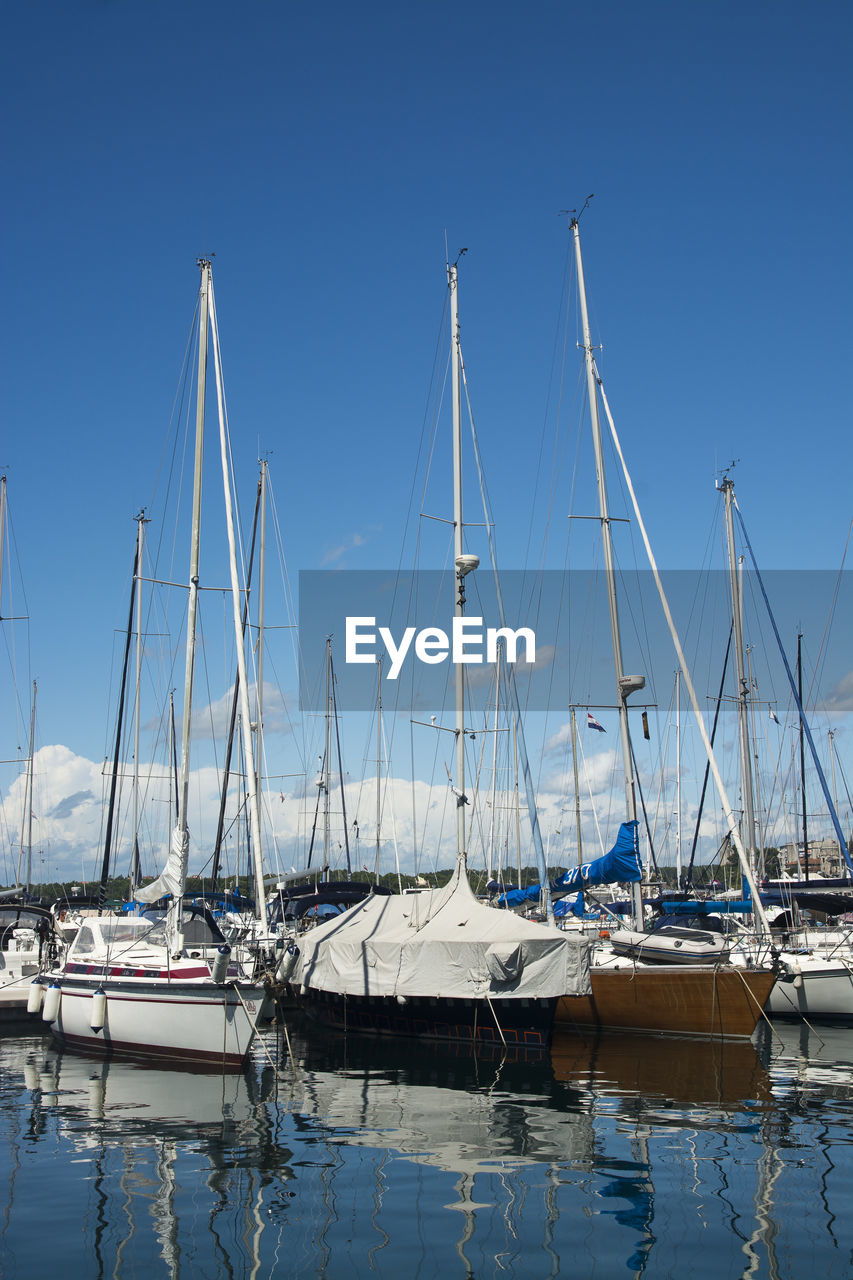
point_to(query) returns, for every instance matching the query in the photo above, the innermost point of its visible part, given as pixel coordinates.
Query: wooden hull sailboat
(627, 993)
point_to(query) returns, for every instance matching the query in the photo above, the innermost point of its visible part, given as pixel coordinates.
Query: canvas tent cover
(442, 943)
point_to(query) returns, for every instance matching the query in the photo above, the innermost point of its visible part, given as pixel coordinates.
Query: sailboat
(440, 963)
(815, 968)
(143, 986)
(628, 993)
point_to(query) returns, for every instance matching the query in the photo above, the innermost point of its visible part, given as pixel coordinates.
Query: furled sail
(174, 874)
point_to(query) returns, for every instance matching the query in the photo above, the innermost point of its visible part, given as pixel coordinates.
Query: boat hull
(682, 1001)
(813, 987)
(525, 1023)
(177, 1022)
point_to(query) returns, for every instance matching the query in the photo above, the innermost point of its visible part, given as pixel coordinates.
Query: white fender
(50, 1008)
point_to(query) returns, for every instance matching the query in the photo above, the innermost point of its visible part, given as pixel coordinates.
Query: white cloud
(211, 723)
(839, 700)
(349, 543)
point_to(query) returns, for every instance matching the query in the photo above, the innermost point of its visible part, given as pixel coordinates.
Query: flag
(773, 715)
(592, 723)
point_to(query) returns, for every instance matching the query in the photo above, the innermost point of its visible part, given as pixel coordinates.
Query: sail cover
(441, 943)
(621, 864)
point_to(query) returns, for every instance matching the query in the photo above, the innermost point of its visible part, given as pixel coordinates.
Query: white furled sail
(171, 879)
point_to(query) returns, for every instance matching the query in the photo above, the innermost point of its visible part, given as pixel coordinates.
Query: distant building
(824, 858)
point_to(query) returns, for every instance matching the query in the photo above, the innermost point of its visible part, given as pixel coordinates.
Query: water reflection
(355, 1156)
(148, 1147)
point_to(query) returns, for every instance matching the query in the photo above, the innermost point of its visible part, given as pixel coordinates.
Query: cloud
(211, 723)
(350, 543)
(840, 699)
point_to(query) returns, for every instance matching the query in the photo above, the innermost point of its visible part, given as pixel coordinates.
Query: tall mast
(491, 848)
(262, 561)
(27, 818)
(577, 786)
(327, 758)
(802, 758)
(134, 856)
(378, 760)
(2, 536)
(195, 544)
(831, 736)
(239, 635)
(111, 807)
(728, 488)
(624, 685)
(463, 563)
(678, 778)
(760, 833)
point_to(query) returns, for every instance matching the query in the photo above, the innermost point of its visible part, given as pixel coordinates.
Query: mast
(182, 834)
(802, 758)
(262, 561)
(173, 878)
(625, 685)
(678, 868)
(464, 564)
(27, 817)
(173, 755)
(760, 832)
(327, 758)
(577, 786)
(2, 536)
(232, 723)
(727, 487)
(246, 717)
(340, 765)
(378, 760)
(491, 847)
(134, 857)
(111, 808)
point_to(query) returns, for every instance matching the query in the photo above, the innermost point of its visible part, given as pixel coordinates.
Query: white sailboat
(147, 987)
(815, 967)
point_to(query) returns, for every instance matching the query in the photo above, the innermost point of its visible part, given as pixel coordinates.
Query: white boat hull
(198, 1022)
(813, 987)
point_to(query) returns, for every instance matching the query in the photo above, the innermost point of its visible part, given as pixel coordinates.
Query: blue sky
(323, 154)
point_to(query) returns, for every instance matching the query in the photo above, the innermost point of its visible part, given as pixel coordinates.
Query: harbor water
(339, 1157)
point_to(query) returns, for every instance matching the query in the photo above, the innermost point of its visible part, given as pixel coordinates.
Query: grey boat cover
(442, 943)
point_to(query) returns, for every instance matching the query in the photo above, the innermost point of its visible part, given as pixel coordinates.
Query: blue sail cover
(518, 897)
(621, 864)
(565, 907)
